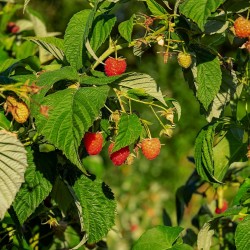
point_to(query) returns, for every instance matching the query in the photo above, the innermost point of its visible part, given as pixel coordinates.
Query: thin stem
(147, 103)
(113, 48)
(108, 108)
(157, 117)
(120, 100)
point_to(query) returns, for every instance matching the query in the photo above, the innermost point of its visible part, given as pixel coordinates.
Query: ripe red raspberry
(12, 27)
(184, 59)
(115, 66)
(151, 148)
(222, 209)
(242, 27)
(93, 142)
(120, 156)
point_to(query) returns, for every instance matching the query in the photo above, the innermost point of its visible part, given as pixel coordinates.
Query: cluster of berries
(18, 109)
(93, 143)
(12, 28)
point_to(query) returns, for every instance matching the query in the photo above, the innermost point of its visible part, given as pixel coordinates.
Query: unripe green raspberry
(184, 60)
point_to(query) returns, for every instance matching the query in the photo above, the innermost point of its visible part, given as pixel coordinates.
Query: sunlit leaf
(13, 163)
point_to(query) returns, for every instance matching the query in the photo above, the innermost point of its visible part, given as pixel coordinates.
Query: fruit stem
(113, 48)
(143, 102)
(120, 100)
(157, 117)
(108, 108)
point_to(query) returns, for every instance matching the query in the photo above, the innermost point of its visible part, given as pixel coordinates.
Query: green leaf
(4, 122)
(129, 129)
(222, 98)
(102, 27)
(40, 31)
(236, 6)
(13, 163)
(204, 240)
(47, 79)
(71, 113)
(181, 247)
(125, 28)
(243, 193)
(102, 80)
(98, 207)
(242, 234)
(61, 195)
(7, 64)
(53, 45)
(38, 184)
(203, 153)
(199, 11)
(156, 8)
(208, 77)
(74, 38)
(232, 147)
(143, 81)
(158, 238)
(211, 164)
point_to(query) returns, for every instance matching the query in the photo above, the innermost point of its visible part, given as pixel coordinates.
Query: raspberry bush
(64, 97)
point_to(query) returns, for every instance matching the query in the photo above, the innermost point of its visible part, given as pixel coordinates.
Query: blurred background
(146, 188)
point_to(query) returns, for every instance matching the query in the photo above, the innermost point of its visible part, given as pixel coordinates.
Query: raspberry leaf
(227, 90)
(199, 11)
(210, 163)
(208, 78)
(38, 184)
(103, 25)
(145, 82)
(53, 45)
(242, 234)
(125, 28)
(156, 8)
(13, 163)
(71, 113)
(158, 238)
(47, 79)
(74, 38)
(129, 129)
(98, 207)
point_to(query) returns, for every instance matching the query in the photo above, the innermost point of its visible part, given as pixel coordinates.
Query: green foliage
(208, 77)
(71, 113)
(49, 191)
(74, 39)
(155, 8)
(38, 184)
(158, 238)
(125, 28)
(242, 234)
(102, 26)
(98, 207)
(199, 11)
(129, 129)
(13, 164)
